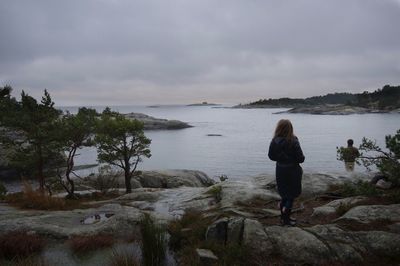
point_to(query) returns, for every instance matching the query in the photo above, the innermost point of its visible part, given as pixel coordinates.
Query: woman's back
(285, 152)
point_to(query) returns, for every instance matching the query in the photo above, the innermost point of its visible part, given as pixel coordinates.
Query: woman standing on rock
(286, 151)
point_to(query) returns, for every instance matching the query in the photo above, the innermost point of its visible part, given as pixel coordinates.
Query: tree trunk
(128, 182)
(40, 170)
(127, 169)
(70, 167)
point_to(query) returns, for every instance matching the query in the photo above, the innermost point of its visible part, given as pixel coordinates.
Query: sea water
(241, 150)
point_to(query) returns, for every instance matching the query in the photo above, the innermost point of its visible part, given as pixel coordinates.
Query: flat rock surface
(333, 206)
(63, 224)
(371, 213)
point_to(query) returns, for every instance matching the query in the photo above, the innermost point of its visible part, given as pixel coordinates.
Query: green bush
(154, 244)
(360, 188)
(216, 192)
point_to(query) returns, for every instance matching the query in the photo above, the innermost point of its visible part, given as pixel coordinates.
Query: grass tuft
(84, 244)
(154, 244)
(216, 192)
(29, 261)
(123, 258)
(343, 208)
(189, 230)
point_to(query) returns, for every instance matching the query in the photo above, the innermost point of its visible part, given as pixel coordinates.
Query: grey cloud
(169, 51)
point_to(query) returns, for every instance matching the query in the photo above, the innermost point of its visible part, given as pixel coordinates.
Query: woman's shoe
(285, 218)
(290, 218)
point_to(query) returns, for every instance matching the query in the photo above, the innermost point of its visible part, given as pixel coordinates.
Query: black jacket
(288, 156)
(284, 152)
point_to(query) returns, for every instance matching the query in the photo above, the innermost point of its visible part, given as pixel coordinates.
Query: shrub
(123, 258)
(83, 244)
(216, 192)
(153, 242)
(106, 180)
(343, 208)
(360, 188)
(20, 244)
(3, 191)
(223, 178)
(31, 199)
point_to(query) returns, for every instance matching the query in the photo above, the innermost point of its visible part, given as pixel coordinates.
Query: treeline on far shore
(387, 98)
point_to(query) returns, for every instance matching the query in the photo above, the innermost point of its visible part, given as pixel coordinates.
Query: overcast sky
(97, 52)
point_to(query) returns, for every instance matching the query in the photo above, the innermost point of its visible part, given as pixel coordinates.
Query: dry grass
(20, 244)
(32, 199)
(84, 244)
(29, 261)
(123, 258)
(189, 230)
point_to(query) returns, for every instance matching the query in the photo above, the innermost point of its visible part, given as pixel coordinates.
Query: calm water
(241, 151)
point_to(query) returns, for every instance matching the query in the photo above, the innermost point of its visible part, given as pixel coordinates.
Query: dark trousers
(287, 203)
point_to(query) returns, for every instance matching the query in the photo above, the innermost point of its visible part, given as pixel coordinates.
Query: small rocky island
(203, 104)
(152, 123)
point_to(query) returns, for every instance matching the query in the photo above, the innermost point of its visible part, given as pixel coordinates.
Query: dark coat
(288, 156)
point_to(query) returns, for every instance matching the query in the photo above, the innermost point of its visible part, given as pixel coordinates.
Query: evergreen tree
(121, 142)
(76, 132)
(37, 149)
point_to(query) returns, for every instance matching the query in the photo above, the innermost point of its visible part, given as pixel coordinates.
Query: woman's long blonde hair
(284, 129)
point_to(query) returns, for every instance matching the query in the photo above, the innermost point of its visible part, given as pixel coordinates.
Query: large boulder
(312, 183)
(296, 245)
(373, 213)
(174, 179)
(357, 246)
(320, 244)
(254, 236)
(226, 230)
(333, 206)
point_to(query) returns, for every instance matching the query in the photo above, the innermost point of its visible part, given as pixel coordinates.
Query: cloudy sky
(95, 52)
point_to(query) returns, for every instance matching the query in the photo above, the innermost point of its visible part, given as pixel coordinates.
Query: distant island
(382, 100)
(203, 104)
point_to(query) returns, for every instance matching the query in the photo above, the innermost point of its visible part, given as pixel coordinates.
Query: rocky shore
(152, 123)
(327, 109)
(332, 110)
(353, 230)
